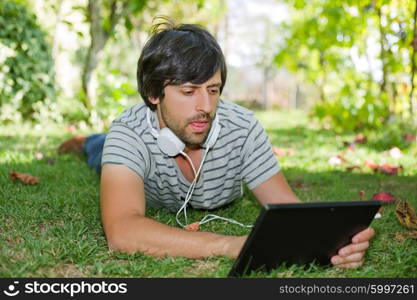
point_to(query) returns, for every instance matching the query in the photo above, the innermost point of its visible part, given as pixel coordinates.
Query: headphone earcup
(169, 143)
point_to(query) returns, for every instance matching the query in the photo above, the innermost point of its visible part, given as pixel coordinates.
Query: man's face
(189, 109)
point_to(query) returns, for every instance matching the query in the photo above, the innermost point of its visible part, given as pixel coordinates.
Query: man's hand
(233, 245)
(352, 256)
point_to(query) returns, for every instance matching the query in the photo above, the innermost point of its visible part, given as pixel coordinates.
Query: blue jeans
(93, 148)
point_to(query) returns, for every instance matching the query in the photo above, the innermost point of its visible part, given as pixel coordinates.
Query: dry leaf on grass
(300, 184)
(402, 236)
(384, 197)
(389, 170)
(291, 151)
(49, 160)
(360, 139)
(23, 177)
(193, 226)
(406, 215)
(353, 168)
(362, 195)
(383, 168)
(350, 145)
(280, 152)
(408, 137)
(371, 165)
(70, 128)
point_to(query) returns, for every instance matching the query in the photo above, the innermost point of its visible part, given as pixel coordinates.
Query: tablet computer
(302, 233)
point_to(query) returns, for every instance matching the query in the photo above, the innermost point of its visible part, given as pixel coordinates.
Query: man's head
(175, 55)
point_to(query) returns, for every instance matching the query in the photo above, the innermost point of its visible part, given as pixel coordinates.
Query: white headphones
(171, 145)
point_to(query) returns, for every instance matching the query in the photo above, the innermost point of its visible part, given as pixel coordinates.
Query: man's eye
(188, 92)
(214, 91)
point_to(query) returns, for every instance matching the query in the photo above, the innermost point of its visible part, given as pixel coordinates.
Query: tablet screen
(302, 233)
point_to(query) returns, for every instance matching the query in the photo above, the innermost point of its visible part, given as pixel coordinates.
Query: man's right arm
(127, 229)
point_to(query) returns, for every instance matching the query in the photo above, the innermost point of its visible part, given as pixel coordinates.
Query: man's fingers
(355, 257)
(353, 248)
(352, 265)
(351, 256)
(364, 235)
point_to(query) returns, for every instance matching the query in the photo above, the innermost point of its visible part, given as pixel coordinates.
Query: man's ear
(154, 100)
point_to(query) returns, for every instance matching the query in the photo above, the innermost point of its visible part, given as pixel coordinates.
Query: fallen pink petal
(336, 160)
(38, 155)
(395, 152)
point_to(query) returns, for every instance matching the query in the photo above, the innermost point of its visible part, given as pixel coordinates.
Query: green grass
(53, 229)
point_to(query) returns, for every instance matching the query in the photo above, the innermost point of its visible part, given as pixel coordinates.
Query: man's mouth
(200, 125)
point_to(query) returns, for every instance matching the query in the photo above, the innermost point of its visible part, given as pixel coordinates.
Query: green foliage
(26, 64)
(356, 53)
(351, 115)
(116, 93)
(393, 134)
(134, 7)
(355, 107)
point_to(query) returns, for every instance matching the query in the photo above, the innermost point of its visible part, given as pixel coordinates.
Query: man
(181, 74)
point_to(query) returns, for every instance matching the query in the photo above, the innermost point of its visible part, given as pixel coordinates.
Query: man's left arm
(277, 190)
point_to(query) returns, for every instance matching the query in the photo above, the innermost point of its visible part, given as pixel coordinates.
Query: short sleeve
(259, 162)
(124, 147)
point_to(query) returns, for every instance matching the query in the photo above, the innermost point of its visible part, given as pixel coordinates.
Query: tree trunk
(321, 78)
(97, 43)
(382, 43)
(265, 87)
(394, 97)
(413, 105)
(55, 39)
(99, 37)
(216, 28)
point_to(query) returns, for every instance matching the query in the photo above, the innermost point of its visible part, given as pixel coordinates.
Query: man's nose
(204, 102)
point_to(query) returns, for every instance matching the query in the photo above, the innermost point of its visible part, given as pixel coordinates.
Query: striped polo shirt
(242, 154)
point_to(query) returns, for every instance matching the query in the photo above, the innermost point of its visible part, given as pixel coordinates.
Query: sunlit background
(331, 81)
(351, 64)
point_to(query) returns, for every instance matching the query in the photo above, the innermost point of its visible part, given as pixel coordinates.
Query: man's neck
(190, 149)
(184, 165)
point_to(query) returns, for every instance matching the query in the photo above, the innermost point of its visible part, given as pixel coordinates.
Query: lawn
(53, 229)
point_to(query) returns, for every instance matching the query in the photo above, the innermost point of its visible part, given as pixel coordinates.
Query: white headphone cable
(191, 188)
(183, 207)
(190, 161)
(208, 217)
(211, 217)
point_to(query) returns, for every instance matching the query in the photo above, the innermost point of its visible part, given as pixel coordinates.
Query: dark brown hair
(176, 54)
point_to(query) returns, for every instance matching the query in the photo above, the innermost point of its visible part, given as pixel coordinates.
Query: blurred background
(349, 64)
